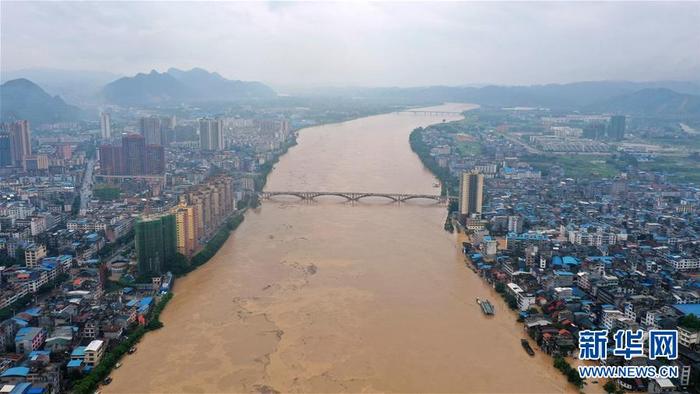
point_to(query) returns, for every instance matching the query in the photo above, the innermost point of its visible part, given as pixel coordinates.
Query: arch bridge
(357, 196)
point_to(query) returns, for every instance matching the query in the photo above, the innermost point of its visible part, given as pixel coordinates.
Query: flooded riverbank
(330, 296)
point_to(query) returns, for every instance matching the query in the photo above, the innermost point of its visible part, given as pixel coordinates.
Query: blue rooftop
(688, 309)
(16, 371)
(604, 259)
(21, 388)
(557, 261)
(38, 353)
(74, 364)
(78, 351)
(35, 312)
(145, 303)
(527, 237)
(27, 333)
(563, 273)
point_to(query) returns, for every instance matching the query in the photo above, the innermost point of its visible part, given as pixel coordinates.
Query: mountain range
(653, 101)
(79, 87)
(182, 86)
(23, 99)
(572, 96)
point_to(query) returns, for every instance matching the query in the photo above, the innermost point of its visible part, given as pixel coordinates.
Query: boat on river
(486, 307)
(527, 347)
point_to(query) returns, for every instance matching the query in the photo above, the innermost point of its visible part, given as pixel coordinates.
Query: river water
(332, 296)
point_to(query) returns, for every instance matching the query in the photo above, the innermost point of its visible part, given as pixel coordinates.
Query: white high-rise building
(105, 125)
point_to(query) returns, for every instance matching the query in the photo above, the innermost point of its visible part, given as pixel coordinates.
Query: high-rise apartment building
(105, 125)
(211, 134)
(133, 157)
(133, 152)
(64, 151)
(210, 202)
(5, 150)
(186, 226)
(151, 130)
(111, 160)
(471, 191)
(156, 243)
(154, 160)
(15, 143)
(616, 128)
(594, 131)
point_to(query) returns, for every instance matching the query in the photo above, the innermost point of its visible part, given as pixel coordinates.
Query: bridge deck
(356, 196)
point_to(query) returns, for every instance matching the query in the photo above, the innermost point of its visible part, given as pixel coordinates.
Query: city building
(151, 130)
(5, 150)
(94, 352)
(211, 134)
(133, 157)
(34, 163)
(186, 226)
(111, 162)
(471, 190)
(156, 243)
(33, 255)
(133, 152)
(616, 128)
(105, 125)
(29, 339)
(15, 143)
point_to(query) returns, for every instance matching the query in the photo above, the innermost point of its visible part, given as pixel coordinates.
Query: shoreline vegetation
(448, 185)
(87, 384)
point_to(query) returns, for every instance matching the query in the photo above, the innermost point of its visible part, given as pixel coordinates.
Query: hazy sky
(404, 44)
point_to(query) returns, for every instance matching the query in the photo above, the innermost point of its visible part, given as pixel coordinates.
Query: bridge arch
(364, 195)
(421, 197)
(347, 196)
(301, 196)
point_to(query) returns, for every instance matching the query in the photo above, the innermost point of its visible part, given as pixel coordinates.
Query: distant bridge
(435, 113)
(357, 196)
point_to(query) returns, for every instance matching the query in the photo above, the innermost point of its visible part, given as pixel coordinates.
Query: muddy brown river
(330, 296)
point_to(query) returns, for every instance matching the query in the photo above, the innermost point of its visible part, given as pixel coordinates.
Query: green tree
(500, 287)
(690, 322)
(610, 387)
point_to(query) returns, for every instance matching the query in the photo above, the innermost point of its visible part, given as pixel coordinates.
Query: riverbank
(334, 297)
(88, 384)
(182, 268)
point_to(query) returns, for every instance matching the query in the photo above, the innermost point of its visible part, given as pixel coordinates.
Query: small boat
(478, 301)
(486, 307)
(117, 365)
(526, 346)
(132, 350)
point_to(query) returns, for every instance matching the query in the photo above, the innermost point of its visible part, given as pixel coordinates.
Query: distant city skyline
(362, 44)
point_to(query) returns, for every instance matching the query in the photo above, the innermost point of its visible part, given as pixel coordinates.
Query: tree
(500, 287)
(610, 387)
(690, 322)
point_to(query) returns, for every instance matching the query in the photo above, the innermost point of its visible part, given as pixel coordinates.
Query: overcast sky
(369, 44)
